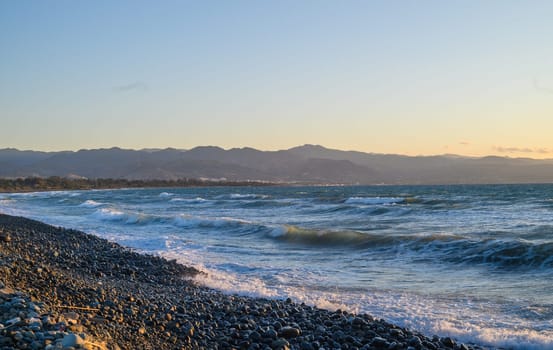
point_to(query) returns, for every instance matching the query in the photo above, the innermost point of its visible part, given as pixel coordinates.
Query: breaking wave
(199, 222)
(454, 249)
(238, 196)
(189, 200)
(90, 204)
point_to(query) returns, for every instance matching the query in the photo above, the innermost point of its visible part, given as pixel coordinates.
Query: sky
(408, 77)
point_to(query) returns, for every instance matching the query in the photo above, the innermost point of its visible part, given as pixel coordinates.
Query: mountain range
(310, 164)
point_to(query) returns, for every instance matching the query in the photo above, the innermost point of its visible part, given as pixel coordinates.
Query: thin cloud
(464, 143)
(521, 150)
(540, 88)
(134, 86)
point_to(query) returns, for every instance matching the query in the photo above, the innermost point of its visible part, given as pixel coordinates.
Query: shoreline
(126, 300)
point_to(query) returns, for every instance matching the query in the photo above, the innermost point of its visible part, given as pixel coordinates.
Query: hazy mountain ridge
(303, 164)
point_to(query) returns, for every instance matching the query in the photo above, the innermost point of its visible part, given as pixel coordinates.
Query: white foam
(242, 196)
(108, 214)
(511, 338)
(189, 200)
(166, 194)
(90, 204)
(279, 231)
(232, 283)
(6, 207)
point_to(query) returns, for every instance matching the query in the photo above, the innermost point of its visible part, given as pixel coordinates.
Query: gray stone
(447, 341)
(254, 336)
(280, 344)
(13, 321)
(358, 321)
(380, 342)
(414, 341)
(270, 333)
(71, 340)
(289, 332)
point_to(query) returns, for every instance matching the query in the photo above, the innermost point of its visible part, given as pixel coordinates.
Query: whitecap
(239, 196)
(90, 204)
(107, 214)
(188, 200)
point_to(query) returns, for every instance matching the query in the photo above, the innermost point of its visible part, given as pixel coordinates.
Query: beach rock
(380, 343)
(358, 321)
(447, 341)
(72, 340)
(270, 334)
(289, 332)
(280, 344)
(415, 341)
(254, 336)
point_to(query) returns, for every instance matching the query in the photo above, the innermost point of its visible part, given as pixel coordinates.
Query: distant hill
(308, 164)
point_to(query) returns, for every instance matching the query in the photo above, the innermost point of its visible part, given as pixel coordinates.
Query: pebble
(289, 332)
(72, 340)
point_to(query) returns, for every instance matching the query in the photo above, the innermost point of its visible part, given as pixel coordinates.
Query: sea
(473, 262)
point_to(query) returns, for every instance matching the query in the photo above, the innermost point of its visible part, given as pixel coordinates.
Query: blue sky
(409, 77)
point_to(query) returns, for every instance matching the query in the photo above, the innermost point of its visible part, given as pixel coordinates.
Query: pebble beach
(65, 289)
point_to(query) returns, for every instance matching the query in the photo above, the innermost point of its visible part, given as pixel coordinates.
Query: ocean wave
(166, 194)
(199, 222)
(242, 196)
(294, 234)
(508, 254)
(494, 253)
(450, 248)
(374, 200)
(266, 204)
(90, 204)
(189, 200)
(46, 194)
(108, 214)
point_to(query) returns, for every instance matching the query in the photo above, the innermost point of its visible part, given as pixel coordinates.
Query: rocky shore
(64, 289)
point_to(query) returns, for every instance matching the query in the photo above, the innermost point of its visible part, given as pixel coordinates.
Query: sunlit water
(471, 262)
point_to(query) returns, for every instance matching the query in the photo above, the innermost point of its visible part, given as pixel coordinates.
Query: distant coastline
(56, 183)
(307, 164)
